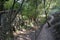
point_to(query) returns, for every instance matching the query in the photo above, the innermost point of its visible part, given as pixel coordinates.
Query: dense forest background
(24, 16)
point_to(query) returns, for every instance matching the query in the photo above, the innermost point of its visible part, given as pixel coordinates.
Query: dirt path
(45, 34)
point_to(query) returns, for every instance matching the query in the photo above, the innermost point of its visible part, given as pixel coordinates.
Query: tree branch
(18, 11)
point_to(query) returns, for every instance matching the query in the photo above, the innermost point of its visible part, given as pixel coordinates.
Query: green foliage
(33, 9)
(8, 4)
(29, 9)
(16, 6)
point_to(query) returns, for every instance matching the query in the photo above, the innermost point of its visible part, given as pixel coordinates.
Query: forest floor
(27, 34)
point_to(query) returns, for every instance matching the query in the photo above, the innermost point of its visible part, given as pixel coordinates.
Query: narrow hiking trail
(45, 34)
